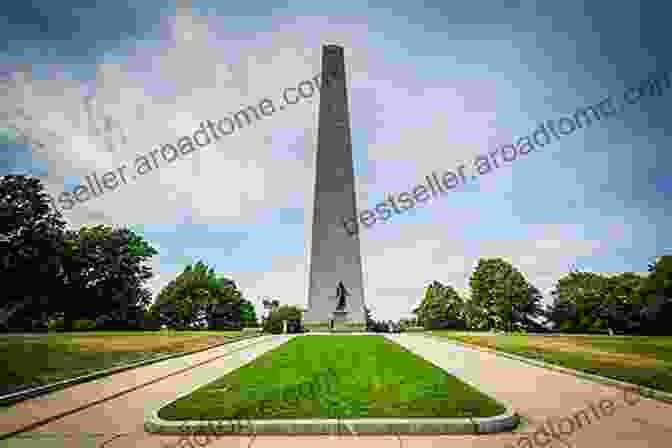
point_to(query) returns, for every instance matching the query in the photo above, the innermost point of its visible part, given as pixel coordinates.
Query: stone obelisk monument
(336, 291)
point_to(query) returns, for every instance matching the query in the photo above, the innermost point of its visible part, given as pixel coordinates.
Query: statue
(341, 293)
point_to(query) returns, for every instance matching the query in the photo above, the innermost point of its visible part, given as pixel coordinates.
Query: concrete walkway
(536, 393)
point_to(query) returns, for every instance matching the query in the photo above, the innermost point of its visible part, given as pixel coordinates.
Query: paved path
(535, 392)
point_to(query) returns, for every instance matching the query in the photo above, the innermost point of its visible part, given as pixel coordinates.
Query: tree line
(95, 277)
(501, 298)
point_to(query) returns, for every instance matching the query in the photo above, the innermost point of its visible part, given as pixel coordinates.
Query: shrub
(291, 314)
(56, 325)
(226, 324)
(445, 324)
(83, 325)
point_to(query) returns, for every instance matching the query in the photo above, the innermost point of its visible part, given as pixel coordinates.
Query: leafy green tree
(225, 307)
(292, 314)
(578, 303)
(174, 306)
(270, 305)
(31, 245)
(627, 302)
(151, 319)
(404, 324)
(380, 327)
(451, 314)
(369, 319)
(475, 317)
(622, 304)
(659, 280)
(248, 316)
(503, 294)
(442, 307)
(656, 295)
(181, 303)
(527, 313)
(104, 274)
(422, 310)
(76, 274)
(445, 310)
(199, 298)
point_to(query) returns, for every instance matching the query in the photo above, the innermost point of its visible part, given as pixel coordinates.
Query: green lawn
(350, 376)
(31, 361)
(643, 360)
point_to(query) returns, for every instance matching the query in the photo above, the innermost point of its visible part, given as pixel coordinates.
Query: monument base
(317, 327)
(339, 327)
(349, 327)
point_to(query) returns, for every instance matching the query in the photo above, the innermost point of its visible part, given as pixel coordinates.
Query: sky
(431, 84)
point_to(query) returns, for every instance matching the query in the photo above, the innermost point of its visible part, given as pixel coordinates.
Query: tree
(475, 317)
(503, 294)
(171, 305)
(180, 303)
(224, 306)
(526, 313)
(442, 307)
(198, 297)
(622, 305)
(380, 327)
(292, 314)
(578, 302)
(31, 243)
(404, 324)
(450, 310)
(270, 305)
(656, 293)
(88, 273)
(421, 310)
(627, 302)
(104, 274)
(248, 316)
(369, 320)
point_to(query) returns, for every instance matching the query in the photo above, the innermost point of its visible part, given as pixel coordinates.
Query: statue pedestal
(340, 319)
(340, 316)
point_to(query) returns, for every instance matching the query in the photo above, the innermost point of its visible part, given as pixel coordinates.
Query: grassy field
(365, 376)
(643, 360)
(35, 360)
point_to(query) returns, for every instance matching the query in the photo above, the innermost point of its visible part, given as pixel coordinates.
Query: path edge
(360, 426)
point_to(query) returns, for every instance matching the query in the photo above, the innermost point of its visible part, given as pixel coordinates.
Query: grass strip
(335, 376)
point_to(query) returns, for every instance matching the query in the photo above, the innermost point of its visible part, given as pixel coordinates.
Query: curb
(478, 425)
(23, 395)
(647, 392)
(482, 425)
